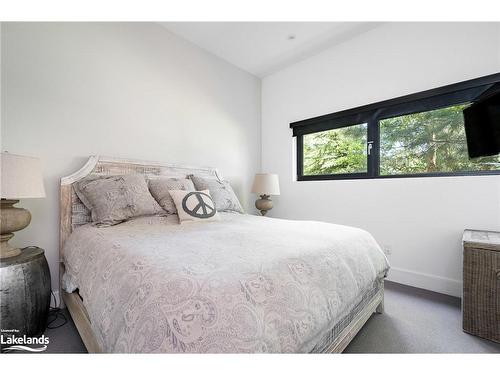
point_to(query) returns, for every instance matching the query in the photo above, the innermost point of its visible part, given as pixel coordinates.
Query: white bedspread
(244, 284)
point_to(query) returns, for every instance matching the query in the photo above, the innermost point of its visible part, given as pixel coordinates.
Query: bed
(245, 284)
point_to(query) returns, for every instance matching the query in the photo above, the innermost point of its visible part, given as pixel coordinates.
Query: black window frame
(441, 97)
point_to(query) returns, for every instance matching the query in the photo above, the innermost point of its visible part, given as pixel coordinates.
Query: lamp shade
(266, 183)
(21, 177)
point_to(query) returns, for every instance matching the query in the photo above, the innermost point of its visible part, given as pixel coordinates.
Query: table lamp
(21, 177)
(265, 185)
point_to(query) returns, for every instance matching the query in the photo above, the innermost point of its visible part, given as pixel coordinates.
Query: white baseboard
(425, 281)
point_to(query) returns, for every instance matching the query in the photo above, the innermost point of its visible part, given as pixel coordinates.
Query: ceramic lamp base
(12, 219)
(264, 204)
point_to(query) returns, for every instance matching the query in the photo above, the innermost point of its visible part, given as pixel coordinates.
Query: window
(336, 151)
(413, 136)
(428, 142)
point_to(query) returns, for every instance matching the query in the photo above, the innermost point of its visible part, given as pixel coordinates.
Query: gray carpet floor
(414, 321)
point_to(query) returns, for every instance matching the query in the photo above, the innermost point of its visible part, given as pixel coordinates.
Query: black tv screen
(482, 125)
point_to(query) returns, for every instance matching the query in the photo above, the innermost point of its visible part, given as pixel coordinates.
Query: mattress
(244, 284)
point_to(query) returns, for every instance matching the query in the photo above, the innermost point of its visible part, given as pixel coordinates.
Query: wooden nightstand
(24, 293)
(481, 289)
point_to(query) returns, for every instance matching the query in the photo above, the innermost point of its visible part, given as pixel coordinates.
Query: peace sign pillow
(194, 205)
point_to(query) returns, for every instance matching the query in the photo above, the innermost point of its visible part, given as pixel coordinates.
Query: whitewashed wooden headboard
(72, 211)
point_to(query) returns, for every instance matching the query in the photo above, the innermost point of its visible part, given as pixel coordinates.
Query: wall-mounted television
(482, 124)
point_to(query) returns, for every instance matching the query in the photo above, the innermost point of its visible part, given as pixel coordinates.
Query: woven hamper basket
(481, 284)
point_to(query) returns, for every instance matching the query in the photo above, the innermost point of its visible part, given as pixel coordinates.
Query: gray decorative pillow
(159, 188)
(114, 199)
(221, 191)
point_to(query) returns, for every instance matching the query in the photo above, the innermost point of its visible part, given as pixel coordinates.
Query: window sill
(419, 175)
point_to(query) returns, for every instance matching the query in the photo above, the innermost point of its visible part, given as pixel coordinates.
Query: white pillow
(194, 205)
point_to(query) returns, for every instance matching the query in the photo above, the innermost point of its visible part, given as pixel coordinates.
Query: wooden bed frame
(73, 213)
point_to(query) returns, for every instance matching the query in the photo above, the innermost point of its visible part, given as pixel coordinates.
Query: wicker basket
(481, 284)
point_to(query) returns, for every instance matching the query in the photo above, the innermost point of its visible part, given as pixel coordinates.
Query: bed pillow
(194, 206)
(114, 199)
(221, 191)
(159, 188)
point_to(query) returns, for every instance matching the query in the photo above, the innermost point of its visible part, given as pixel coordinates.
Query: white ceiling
(262, 48)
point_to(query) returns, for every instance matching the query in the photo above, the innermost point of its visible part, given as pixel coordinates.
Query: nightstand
(481, 289)
(24, 293)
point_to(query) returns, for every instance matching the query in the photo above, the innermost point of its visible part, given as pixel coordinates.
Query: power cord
(55, 313)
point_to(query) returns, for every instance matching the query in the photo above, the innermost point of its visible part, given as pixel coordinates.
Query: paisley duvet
(242, 284)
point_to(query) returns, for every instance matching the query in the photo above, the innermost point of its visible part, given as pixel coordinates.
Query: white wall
(135, 90)
(130, 90)
(420, 219)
